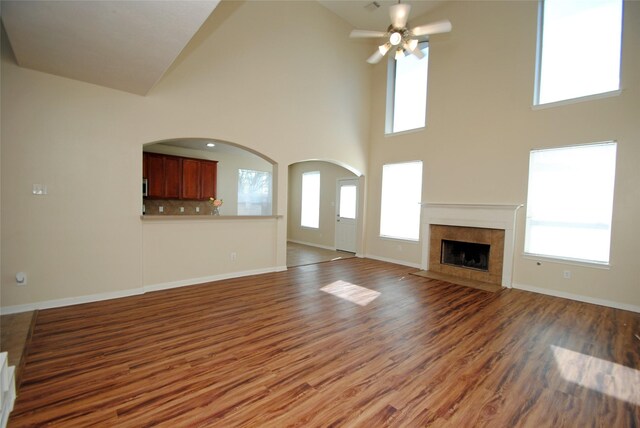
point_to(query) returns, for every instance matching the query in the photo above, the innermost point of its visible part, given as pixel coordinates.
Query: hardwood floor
(275, 350)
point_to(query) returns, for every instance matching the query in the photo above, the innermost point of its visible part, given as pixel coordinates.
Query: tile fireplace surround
(489, 216)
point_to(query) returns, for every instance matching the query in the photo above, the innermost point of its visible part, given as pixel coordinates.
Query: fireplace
(465, 254)
(474, 253)
(488, 228)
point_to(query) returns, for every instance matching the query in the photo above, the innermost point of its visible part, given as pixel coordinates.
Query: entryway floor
(300, 255)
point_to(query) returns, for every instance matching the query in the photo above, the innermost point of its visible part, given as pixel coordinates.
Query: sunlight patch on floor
(354, 293)
(612, 379)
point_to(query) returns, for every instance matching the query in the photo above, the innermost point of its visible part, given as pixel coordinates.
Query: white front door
(346, 214)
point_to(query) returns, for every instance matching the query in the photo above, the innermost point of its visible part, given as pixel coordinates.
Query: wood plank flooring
(274, 350)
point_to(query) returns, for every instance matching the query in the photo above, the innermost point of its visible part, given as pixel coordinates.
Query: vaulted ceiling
(129, 45)
(374, 14)
(126, 45)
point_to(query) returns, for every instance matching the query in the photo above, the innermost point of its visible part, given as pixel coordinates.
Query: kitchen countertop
(207, 217)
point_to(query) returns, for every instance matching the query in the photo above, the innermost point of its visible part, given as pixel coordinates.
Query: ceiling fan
(399, 37)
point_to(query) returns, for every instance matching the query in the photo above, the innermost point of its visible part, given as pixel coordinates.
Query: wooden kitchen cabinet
(198, 179)
(190, 179)
(174, 177)
(208, 179)
(155, 175)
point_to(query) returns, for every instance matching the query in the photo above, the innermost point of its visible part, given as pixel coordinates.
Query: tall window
(254, 192)
(407, 88)
(401, 195)
(310, 210)
(570, 202)
(579, 48)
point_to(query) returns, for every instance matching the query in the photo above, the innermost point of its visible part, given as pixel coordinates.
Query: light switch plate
(39, 189)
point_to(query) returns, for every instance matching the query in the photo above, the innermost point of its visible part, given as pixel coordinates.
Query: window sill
(408, 131)
(392, 238)
(567, 261)
(577, 100)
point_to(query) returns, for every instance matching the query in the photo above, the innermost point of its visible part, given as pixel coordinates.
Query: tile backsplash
(172, 207)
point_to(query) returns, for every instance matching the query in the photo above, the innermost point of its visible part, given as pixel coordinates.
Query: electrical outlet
(233, 255)
(566, 274)
(21, 278)
(197, 209)
(161, 209)
(181, 209)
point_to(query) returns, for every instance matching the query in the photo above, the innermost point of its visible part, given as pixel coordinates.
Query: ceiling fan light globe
(413, 44)
(399, 54)
(384, 48)
(395, 38)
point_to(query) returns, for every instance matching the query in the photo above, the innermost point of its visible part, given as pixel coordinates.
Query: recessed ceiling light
(210, 145)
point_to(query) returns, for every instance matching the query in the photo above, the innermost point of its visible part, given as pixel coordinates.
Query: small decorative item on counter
(215, 205)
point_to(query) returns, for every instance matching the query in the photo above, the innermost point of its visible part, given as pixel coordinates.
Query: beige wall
(216, 248)
(272, 93)
(325, 235)
(481, 127)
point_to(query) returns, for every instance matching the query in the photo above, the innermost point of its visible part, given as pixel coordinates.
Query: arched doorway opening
(324, 216)
(181, 175)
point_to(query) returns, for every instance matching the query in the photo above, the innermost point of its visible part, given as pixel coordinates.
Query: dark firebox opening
(465, 254)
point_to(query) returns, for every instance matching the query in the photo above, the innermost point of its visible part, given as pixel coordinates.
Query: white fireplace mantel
(489, 216)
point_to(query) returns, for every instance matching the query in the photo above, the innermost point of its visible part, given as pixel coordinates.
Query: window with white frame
(254, 192)
(407, 92)
(579, 49)
(570, 202)
(400, 200)
(310, 209)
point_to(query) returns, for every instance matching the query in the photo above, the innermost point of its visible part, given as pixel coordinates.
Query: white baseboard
(398, 262)
(311, 244)
(69, 301)
(577, 297)
(205, 279)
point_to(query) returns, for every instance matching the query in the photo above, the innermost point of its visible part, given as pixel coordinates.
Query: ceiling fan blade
(433, 28)
(376, 57)
(399, 14)
(417, 51)
(366, 33)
